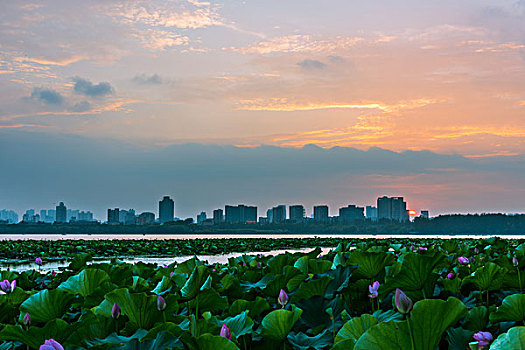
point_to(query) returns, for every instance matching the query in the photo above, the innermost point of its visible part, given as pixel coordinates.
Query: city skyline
(225, 101)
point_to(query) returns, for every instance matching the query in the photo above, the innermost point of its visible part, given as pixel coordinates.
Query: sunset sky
(145, 91)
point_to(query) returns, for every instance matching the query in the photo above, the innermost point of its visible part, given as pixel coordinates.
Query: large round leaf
(213, 342)
(239, 325)
(488, 277)
(355, 328)
(278, 323)
(514, 339)
(511, 309)
(194, 283)
(139, 307)
(85, 282)
(46, 305)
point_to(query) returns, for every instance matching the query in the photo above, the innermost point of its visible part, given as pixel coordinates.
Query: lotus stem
(519, 278)
(487, 298)
(410, 332)
(197, 307)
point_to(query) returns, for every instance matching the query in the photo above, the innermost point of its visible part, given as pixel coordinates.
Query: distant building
(371, 212)
(30, 217)
(296, 213)
(263, 220)
(392, 208)
(146, 218)
(201, 218)
(351, 213)
(218, 217)
(424, 214)
(127, 217)
(166, 210)
(85, 216)
(321, 213)
(113, 216)
(279, 213)
(8, 215)
(61, 213)
(72, 215)
(269, 215)
(240, 214)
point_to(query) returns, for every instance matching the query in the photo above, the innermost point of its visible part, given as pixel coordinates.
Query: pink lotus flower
(7, 287)
(161, 303)
(258, 265)
(27, 319)
(373, 289)
(422, 248)
(115, 311)
(463, 260)
(51, 344)
(515, 262)
(483, 339)
(244, 264)
(38, 261)
(53, 273)
(171, 274)
(225, 332)
(451, 275)
(283, 298)
(403, 303)
(476, 250)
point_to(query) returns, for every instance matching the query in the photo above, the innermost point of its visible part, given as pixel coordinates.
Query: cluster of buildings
(388, 208)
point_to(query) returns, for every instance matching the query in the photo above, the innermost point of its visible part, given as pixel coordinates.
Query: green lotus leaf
(85, 282)
(114, 339)
(163, 286)
(239, 325)
(312, 266)
(312, 288)
(254, 308)
(355, 328)
(514, 339)
(512, 309)
(140, 308)
(209, 300)
(429, 319)
(46, 305)
(477, 319)
(278, 323)
(79, 261)
(488, 277)
(214, 342)
(369, 265)
(163, 340)
(303, 342)
(459, 338)
(35, 336)
(194, 283)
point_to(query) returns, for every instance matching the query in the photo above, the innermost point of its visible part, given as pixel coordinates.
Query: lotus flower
(7, 287)
(225, 332)
(171, 274)
(403, 303)
(115, 311)
(27, 319)
(463, 260)
(483, 338)
(515, 262)
(373, 289)
(244, 264)
(451, 275)
(259, 265)
(51, 344)
(161, 303)
(476, 250)
(422, 248)
(53, 273)
(283, 298)
(38, 261)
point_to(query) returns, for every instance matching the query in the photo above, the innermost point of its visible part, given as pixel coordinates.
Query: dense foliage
(363, 295)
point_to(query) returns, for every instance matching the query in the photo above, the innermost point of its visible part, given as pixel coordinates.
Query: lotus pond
(370, 294)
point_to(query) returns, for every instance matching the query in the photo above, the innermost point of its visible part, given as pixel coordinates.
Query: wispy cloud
(85, 87)
(48, 96)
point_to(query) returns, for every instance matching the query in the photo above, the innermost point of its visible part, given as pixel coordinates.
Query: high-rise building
(218, 217)
(166, 210)
(8, 215)
(61, 213)
(321, 213)
(279, 213)
(240, 214)
(201, 218)
(113, 216)
(85, 216)
(72, 214)
(392, 208)
(424, 214)
(296, 213)
(146, 218)
(371, 212)
(351, 213)
(269, 215)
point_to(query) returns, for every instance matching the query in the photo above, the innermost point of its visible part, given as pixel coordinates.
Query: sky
(117, 103)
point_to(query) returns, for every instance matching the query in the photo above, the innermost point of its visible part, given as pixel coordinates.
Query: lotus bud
(258, 265)
(38, 261)
(51, 344)
(422, 248)
(451, 275)
(161, 303)
(244, 264)
(115, 311)
(373, 289)
(171, 274)
(53, 273)
(476, 250)
(27, 319)
(463, 260)
(225, 332)
(483, 338)
(403, 303)
(283, 298)
(7, 287)
(515, 262)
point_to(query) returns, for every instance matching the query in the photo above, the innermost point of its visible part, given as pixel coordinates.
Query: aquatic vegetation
(361, 295)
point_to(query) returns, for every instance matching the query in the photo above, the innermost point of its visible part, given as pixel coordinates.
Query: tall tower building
(296, 213)
(321, 213)
(61, 213)
(166, 210)
(279, 213)
(392, 208)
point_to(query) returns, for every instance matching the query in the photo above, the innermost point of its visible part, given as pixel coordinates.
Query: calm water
(73, 236)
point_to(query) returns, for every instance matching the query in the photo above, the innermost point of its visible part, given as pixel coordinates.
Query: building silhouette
(279, 213)
(61, 213)
(371, 212)
(392, 208)
(296, 213)
(424, 214)
(146, 218)
(166, 210)
(201, 218)
(351, 213)
(321, 213)
(114, 216)
(240, 214)
(218, 217)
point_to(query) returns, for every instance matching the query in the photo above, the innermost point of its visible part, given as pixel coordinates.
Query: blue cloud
(48, 96)
(144, 79)
(85, 87)
(311, 64)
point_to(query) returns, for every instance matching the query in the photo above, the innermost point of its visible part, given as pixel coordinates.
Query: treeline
(444, 224)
